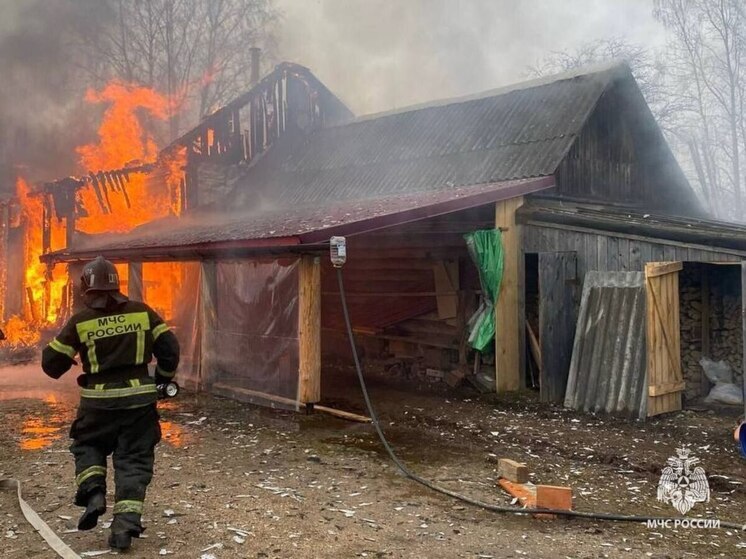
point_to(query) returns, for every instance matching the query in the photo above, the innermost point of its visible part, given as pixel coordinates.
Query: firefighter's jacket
(115, 347)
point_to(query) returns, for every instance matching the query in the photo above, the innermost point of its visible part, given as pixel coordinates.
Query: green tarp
(486, 250)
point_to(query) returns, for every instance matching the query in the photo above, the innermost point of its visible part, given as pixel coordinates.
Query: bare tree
(195, 51)
(705, 55)
(648, 69)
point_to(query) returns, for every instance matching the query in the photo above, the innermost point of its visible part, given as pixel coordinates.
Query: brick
(553, 497)
(512, 470)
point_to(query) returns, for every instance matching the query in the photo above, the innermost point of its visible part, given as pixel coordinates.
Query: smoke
(374, 54)
(41, 100)
(382, 54)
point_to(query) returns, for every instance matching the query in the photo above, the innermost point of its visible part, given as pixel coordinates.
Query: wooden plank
(309, 329)
(558, 302)
(343, 414)
(660, 318)
(668, 388)
(613, 254)
(655, 269)
(534, 345)
(134, 281)
(651, 242)
(665, 379)
(507, 342)
(624, 246)
(256, 394)
(635, 257)
(511, 470)
(525, 494)
(446, 279)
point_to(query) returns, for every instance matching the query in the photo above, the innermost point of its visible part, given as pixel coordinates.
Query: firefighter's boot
(95, 507)
(120, 541)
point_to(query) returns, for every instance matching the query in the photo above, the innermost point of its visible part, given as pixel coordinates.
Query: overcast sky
(382, 54)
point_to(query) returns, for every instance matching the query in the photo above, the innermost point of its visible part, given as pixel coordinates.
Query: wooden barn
(571, 169)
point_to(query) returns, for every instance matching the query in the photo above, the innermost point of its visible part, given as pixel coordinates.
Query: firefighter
(116, 339)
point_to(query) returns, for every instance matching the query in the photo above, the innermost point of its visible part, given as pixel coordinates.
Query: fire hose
(167, 390)
(52, 539)
(338, 252)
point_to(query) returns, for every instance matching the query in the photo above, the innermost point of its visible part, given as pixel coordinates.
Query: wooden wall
(620, 156)
(402, 286)
(615, 253)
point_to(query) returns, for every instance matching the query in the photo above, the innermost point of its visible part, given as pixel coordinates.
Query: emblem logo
(681, 484)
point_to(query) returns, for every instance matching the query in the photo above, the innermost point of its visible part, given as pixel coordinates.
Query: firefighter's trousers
(131, 436)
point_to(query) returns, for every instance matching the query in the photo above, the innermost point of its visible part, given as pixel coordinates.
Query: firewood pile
(725, 332)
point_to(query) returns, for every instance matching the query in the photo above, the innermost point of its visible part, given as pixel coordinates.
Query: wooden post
(134, 281)
(208, 321)
(4, 229)
(507, 336)
(309, 329)
(70, 228)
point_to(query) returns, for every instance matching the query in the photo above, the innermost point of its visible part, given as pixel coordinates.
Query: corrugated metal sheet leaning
(607, 371)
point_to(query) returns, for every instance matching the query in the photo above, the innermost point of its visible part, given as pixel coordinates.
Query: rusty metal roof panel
(608, 367)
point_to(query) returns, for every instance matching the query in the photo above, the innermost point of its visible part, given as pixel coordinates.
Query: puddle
(41, 430)
(175, 435)
(172, 433)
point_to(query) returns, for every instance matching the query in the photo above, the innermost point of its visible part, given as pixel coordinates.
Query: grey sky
(382, 54)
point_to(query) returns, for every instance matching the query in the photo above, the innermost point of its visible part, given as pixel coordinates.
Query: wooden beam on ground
(256, 394)
(309, 329)
(512, 470)
(507, 336)
(343, 414)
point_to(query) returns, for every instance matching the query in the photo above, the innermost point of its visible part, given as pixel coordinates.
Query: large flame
(124, 141)
(43, 288)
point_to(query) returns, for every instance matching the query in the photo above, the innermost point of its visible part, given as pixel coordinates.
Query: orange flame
(118, 204)
(43, 287)
(125, 142)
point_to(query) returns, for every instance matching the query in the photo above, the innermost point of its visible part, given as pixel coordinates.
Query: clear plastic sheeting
(173, 290)
(250, 344)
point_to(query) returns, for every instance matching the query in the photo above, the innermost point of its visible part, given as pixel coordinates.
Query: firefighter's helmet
(99, 275)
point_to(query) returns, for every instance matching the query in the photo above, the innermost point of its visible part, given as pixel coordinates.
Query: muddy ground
(235, 480)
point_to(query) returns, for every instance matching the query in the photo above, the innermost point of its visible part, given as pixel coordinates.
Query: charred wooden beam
(97, 190)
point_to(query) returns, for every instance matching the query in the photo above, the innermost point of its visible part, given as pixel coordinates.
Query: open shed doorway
(551, 300)
(410, 290)
(711, 306)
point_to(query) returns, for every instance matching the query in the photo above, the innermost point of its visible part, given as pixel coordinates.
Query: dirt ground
(236, 480)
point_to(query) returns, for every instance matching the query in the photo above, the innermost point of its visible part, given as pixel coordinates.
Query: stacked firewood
(691, 338)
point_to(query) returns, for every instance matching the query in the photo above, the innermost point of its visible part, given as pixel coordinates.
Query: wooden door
(558, 303)
(665, 379)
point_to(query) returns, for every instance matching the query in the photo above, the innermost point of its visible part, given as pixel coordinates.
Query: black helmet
(99, 275)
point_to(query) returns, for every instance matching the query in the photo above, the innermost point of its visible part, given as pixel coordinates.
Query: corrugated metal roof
(306, 224)
(519, 132)
(608, 369)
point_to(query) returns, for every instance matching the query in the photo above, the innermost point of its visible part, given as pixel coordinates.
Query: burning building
(226, 231)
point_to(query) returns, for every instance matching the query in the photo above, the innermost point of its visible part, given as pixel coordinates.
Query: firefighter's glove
(160, 379)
